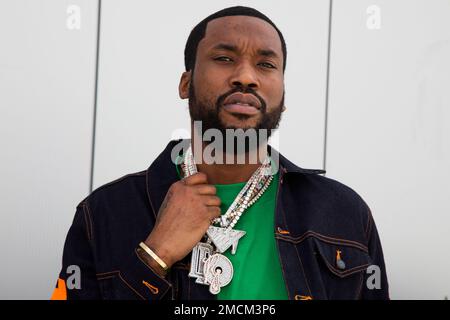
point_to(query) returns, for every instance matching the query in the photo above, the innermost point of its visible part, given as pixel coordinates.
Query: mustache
(249, 90)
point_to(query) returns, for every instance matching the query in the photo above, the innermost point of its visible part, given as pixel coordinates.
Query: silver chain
(249, 194)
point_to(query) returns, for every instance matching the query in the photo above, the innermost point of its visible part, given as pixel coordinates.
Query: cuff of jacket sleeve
(143, 280)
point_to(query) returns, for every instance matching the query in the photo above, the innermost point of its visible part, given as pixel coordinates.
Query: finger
(205, 189)
(213, 201)
(195, 179)
(214, 212)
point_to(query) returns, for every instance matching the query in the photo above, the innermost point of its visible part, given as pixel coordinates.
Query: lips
(242, 103)
(243, 99)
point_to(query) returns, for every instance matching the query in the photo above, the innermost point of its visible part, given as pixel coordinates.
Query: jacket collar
(288, 167)
(162, 172)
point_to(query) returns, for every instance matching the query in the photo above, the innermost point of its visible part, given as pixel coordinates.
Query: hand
(184, 217)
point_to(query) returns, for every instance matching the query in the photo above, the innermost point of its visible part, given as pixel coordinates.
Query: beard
(210, 119)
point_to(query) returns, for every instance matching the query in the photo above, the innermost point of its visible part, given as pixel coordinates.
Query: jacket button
(339, 262)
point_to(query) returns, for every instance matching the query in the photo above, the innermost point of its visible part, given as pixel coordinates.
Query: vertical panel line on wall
(94, 121)
(327, 86)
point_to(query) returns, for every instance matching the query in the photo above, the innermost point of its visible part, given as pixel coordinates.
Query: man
(192, 228)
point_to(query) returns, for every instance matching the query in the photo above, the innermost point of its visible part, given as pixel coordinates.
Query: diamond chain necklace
(208, 265)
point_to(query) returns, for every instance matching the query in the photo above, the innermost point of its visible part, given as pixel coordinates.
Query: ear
(183, 87)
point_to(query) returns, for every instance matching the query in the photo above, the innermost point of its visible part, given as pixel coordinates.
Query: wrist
(163, 253)
(151, 263)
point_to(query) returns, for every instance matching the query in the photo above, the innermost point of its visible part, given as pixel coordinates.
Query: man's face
(238, 79)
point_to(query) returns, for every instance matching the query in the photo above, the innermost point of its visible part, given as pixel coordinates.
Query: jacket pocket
(342, 268)
(113, 287)
(341, 259)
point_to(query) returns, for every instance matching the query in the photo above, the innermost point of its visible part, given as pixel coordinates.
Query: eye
(267, 65)
(223, 58)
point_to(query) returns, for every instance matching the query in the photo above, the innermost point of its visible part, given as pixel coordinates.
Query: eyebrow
(233, 48)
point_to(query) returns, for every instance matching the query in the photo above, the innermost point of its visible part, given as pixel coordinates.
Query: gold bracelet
(153, 255)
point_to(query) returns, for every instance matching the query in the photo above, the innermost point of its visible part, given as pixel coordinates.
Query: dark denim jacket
(319, 223)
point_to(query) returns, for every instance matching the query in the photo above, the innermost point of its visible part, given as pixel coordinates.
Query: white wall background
(389, 132)
(385, 130)
(47, 75)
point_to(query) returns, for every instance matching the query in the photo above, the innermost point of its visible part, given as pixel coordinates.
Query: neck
(226, 172)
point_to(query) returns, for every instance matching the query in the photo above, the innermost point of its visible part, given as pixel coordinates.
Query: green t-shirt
(256, 264)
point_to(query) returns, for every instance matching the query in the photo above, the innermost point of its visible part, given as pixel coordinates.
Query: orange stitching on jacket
(282, 269)
(291, 240)
(345, 273)
(281, 231)
(297, 240)
(303, 270)
(300, 297)
(338, 239)
(278, 246)
(135, 291)
(153, 289)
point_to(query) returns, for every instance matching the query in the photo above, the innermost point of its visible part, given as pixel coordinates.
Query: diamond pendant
(225, 238)
(200, 253)
(210, 268)
(214, 270)
(218, 271)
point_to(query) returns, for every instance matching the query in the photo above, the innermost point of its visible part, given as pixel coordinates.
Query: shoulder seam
(368, 230)
(84, 204)
(135, 174)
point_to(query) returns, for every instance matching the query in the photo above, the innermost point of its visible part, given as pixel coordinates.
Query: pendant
(218, 271)
(224, 238)
(200, 253)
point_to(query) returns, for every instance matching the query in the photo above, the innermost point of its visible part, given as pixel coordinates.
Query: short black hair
(198, 33)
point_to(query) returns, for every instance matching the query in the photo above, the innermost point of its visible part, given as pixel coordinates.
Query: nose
(244, 76)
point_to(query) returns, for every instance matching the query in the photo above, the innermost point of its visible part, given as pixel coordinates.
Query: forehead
(242, 29)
